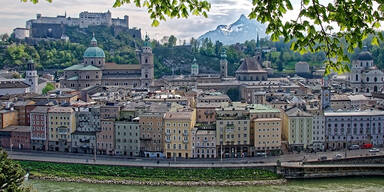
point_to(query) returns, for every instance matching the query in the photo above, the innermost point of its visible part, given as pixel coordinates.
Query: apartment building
(233, 130)
(178, 133)
(127, 136)
(61, 124)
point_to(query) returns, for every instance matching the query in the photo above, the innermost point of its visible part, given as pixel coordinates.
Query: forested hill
(168, 57)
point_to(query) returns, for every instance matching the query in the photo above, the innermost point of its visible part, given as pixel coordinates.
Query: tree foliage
(47, 88)
(321, 27)
(11, 174)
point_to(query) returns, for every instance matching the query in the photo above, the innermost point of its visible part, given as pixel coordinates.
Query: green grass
(104, 172)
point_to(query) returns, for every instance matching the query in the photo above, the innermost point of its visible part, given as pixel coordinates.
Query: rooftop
(184, 115)
(353, 113)
(17, 128)
(260, 108)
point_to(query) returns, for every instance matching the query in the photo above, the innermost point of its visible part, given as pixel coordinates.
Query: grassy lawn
(104, 172)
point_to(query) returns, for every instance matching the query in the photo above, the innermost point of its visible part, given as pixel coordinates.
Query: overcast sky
(14, 13)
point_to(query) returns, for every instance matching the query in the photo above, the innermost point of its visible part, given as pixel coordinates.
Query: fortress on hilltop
(54, 27)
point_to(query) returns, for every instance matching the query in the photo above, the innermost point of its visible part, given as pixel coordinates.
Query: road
(294, 159)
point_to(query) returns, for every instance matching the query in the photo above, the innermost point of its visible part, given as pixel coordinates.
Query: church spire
(93, 41)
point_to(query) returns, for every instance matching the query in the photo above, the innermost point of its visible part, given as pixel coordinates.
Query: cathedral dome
(365, 56)
(94, 52)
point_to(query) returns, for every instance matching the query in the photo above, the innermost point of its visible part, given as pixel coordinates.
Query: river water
(355, 184)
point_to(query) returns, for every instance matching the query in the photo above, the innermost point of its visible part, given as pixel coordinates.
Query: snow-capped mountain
(238, 32)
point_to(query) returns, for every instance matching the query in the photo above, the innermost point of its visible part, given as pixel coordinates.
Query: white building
(302, 67)
(21, 33)
(343, 129)
(364, 76)
(318, 132)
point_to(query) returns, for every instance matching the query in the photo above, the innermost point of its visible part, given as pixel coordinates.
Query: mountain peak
(241, 30)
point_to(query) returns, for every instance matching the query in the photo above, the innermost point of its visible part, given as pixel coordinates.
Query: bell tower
(223, 64)
(31, 77)
(146, 62)
(325, 94)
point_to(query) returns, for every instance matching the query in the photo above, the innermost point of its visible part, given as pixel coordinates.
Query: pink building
(39, 128)
(106, 137)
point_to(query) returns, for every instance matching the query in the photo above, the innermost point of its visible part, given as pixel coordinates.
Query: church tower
(146, 62)
(223, 64)
(194, 68)
(31, 77)
(325, 94)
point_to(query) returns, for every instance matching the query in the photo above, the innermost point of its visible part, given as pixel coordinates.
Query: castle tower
(223, 64)
(94, 55)
(325, 94)
(31, 77)
(194, 68)
(146, 62)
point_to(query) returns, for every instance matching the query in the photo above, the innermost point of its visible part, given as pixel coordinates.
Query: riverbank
(361, 184)
(103, 174)
(161, 183)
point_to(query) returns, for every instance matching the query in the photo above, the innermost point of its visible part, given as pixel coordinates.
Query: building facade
(61, 125)
(152, 134)
(233, 131)
(178, 133)
(346, 128)
(204, 143)
(39, 128)
(127, 135)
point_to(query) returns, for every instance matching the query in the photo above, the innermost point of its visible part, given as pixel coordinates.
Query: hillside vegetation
(168, 58)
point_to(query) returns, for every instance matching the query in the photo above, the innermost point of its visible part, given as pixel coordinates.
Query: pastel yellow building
(178, 133)
(266, 125)
(61, 124)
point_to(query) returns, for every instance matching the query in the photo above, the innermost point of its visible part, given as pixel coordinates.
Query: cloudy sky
(15, 13)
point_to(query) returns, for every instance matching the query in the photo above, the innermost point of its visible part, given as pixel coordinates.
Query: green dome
(94, 52)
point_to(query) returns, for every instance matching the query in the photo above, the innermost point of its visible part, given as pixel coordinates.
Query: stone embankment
(163, 183)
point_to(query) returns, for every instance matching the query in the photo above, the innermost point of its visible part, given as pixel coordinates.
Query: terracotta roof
(250, 64)
(121, 66)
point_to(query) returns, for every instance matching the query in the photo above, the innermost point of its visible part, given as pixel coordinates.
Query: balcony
(185, 133)
(167, 140)
(168, 133)
(185, 141)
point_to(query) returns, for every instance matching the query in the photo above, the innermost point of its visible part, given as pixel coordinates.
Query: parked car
(261, 154)
(374, 150)
(338, 156)
(367, 146)
(322, 158)
(354, 147)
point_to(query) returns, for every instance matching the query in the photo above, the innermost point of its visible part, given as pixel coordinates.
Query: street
(293, 158)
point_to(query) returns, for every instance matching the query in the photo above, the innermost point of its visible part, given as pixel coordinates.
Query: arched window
(367, 90)
(367, 79)
(375, 79)
(375, 88)
(91, 62)
(357, 77)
